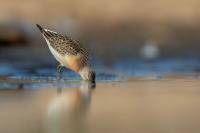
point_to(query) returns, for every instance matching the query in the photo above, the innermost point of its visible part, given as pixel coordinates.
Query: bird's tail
(46, 33)
(40, 28)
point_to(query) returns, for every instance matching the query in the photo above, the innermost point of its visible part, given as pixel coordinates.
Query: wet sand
(134, 106)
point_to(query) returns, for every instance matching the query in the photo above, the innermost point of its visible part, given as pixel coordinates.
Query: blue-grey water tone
(130, 67)
(119, 70)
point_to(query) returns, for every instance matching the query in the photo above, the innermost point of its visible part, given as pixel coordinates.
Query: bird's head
(88, 74)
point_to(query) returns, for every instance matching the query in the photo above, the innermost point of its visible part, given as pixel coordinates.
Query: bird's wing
(63, 44)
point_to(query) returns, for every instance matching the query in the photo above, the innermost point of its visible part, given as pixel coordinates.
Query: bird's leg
(59, 68)
(59, 71)
(59, 76)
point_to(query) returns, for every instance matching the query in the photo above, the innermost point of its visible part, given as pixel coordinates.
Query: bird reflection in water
(67, 111)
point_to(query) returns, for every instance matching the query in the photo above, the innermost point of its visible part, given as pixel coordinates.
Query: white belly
(59, 58)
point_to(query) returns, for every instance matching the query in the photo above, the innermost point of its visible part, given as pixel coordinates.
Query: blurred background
(147, 37)
(153, 46)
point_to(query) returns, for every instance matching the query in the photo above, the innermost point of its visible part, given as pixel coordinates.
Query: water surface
(134, 106)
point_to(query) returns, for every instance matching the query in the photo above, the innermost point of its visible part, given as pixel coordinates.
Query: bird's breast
(73, 62)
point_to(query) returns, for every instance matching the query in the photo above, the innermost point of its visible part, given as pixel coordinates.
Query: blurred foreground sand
(148, 106)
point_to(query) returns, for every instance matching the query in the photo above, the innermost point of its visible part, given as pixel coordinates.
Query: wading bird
(69, 53)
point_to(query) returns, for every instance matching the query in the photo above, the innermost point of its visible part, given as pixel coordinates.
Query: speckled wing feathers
(63, 44)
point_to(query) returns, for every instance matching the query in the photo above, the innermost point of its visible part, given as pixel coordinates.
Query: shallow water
(120, 70)
(134, 106)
